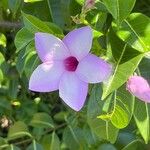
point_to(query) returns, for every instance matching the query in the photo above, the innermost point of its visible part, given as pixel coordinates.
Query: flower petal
(93, 69)
(79, 42)
(139, 87)
(73, 91)
(50, 47)
(46, 77)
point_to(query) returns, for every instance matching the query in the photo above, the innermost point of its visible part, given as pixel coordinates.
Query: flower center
(71, 63)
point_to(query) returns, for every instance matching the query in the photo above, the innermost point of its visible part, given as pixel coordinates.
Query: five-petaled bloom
(139, 87)
(68, 66)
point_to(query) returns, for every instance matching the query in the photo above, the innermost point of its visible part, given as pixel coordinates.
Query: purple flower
(68, 66)
(139, 87)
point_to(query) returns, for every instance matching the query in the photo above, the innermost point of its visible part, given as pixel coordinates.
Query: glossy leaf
(119, 9)
(123, 109)
(127, 60)
(135, 31)
(23, 38)
(34, 24)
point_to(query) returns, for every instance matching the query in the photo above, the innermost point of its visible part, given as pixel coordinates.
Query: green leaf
(135, 31)
(1, 75)
(4, 103)
(31, 1)
(123, 109)
(32, 61)
(51, 142)
(103, 129)
(2, 40)
(134, 145)
(14, 6)
(23, 38)
(141, 116)
(106, 147)
(18, 130)
(34, 24)
(2, 61)
(42, 120)
(142, 110)
(24, 56)
(119, 9)
(127, 60)
(74, 138)
(35, 146)
(12, 147)
(3, 143)
(89, 136)
(56, 12)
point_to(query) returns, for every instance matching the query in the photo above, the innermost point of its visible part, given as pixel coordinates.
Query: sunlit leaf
(135, 31)
(119, 9)
(127, 60)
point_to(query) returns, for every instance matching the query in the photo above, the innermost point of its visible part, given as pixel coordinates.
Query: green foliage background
(112, 119)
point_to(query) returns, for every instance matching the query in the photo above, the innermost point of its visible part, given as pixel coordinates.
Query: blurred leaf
(74, 138)
(34, 24)
(51, 142)
(3, 143)
(35, 146)
(12, 147)
(135, 31)
(124, 138)
(23, 38)
(61, 116)
(14, 6)
(134, 145)
(127, 60)
(31, 1)
(4, 103)
(2, 61)
(42, 120)
(1, 75)
(89, 136)
(18, 130)
(116, 8)
(2, 40)
(107, 147)
(103, 129)
(13, 88)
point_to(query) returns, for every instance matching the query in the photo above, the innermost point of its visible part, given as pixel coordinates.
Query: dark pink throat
(71, 63)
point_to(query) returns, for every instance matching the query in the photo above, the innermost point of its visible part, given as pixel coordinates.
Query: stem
(8, 24)
(48, 131)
